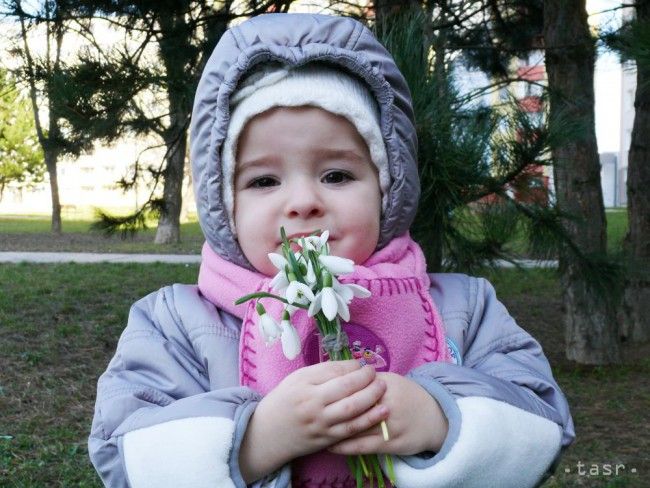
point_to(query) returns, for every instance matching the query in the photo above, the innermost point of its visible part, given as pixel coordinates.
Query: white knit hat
(316, 85)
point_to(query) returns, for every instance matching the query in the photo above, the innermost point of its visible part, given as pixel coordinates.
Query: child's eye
(262, 182)
(337, 177)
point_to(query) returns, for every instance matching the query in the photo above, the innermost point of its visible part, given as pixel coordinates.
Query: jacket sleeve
(508, 419)
(159, 421)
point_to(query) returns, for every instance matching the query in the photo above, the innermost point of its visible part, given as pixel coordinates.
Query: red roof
(532, 73)
(531, 104)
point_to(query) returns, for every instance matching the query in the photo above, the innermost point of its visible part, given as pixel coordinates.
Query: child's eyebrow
(257, 162)
(340, 154)
(325, 153)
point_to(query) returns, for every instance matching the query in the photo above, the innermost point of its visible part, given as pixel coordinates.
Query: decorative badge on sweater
(306, 279)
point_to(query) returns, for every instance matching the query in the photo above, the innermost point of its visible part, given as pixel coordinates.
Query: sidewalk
(89, 257)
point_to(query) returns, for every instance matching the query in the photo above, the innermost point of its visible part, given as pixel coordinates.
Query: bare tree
(38, 72)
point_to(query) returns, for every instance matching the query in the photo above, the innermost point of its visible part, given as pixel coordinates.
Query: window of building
(534, 90)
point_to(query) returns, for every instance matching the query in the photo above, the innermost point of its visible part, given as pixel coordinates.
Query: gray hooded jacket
(170, 410)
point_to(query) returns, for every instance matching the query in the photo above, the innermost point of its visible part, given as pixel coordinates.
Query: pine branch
(126, 226)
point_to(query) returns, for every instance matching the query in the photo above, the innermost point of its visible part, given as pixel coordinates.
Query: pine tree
(146, 87)
(632, 41)
(636, 305)
(591, 335)
(469, 156)
(473, 160)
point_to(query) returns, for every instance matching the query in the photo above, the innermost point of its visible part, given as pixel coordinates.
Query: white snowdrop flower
(290, 309)
(331, 303)
(348, 291)
(337, 265)
(311, 275)
(299, 257)
(316, 243)
(309, 244)
(324, 236)
(278, 260)
(299, 292)
(268, 327)
(290, 339)
(280, 282)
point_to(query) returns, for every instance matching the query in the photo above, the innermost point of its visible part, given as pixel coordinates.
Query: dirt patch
(609, 405)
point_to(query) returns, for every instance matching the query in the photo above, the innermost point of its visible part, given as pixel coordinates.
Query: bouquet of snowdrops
(307, 279)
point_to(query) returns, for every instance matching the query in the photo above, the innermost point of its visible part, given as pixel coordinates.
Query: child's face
(305, 169)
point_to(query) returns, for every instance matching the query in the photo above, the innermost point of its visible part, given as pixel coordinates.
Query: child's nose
(304, 201)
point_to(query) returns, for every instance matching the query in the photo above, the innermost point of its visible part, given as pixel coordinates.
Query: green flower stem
(331, 327)
(390, 469)
(294, 266)
(317, 268)
(378, 473)
(366, 473)
(371, 476)
(358, 465)
(355, 468)
(263, 294)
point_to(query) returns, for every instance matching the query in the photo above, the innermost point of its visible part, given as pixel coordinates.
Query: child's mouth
(295, 247)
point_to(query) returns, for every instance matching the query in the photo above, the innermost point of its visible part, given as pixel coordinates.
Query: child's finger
(361, 444)
(323, 372)
(351, 406)
(374, 430)
(359, 424)
(346, 385)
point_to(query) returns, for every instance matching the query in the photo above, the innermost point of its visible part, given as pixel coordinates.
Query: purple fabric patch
(365, 345)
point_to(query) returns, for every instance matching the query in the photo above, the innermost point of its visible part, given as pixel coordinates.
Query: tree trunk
(384, 9)
(635, 316)
(45, 140)
(50, 163)
(169, 230)
(174, 41)
(439, 42)
(187, 192)
(591, 331)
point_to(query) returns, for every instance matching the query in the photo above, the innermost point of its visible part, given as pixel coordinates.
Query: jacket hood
(296, 39)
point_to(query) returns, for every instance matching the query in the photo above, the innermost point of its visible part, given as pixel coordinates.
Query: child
(304, 121)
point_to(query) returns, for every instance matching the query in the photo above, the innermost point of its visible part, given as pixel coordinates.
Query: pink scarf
(397, 329)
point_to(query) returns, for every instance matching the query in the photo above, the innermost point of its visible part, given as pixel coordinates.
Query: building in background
(609, 178)
(89, 182)
(628, 92)
(537, 181)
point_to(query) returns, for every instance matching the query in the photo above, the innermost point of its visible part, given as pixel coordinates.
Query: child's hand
(416, 422)
(311, 409)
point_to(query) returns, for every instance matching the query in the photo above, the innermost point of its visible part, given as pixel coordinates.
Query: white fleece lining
(498, 445)
(327, 88)
(191, 452)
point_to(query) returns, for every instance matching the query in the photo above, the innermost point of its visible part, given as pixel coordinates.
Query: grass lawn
(33, 234)
(616, 227)
(59, 325)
